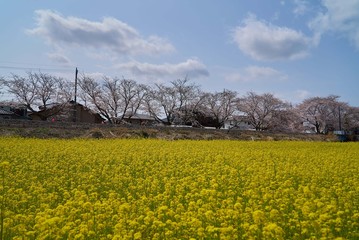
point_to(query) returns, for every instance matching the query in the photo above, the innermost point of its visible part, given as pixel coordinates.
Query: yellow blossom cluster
(157, 189)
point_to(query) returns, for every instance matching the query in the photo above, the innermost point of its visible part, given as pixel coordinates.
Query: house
(238, 122)
(67, 112)
(9, 110)
(308, 127)
(140, 119)
(5, 114)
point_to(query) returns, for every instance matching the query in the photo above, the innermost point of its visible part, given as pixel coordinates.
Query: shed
(10, 110)
(140, 119)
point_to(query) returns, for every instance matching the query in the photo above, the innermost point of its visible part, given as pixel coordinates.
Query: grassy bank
(70, 130)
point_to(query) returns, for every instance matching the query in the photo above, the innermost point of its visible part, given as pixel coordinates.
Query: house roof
(140, 117)
(63, 105)
(57, 107)
(239, 118)
(12, 104)
(5, 112)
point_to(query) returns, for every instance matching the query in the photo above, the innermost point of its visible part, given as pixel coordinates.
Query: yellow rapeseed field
(157, 189)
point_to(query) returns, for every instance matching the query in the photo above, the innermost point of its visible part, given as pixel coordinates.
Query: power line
(37, 69)
(36, 64)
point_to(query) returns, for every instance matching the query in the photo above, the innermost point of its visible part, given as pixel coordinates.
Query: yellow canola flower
(273, 231)
(156, 189)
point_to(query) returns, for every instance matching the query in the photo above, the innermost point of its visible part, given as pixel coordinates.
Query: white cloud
(264, 41)
(295, 96)
(99, 76)
(59, 58)
(256, 73)
(110, 35)
(339, 17)
(301, 7)
(191, 68)
(302, 94)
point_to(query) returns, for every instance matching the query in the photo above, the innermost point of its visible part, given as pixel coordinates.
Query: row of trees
(183, 102)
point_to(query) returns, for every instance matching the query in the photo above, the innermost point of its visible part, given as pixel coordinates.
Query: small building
(67, 112)
(238, 122)
(140, 119)
(308, 127)
(5, 114)
(10, 110)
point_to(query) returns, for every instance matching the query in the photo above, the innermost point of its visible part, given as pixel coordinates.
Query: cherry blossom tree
(264, 111)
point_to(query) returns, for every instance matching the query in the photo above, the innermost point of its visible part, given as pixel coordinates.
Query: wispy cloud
(256, 73)
(192, 68)
(109, 35)
(301, 7)
(302, 94)
(59, 58)
(264, 41)
(341, 17)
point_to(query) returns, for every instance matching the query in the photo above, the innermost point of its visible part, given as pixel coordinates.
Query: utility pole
(75, 99)
(76, 72)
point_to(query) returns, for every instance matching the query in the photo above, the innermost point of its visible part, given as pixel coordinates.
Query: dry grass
(62, 130)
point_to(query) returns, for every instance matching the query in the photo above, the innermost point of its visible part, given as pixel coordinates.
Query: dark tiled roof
(140, 117)
(12, 104)
(5, 112)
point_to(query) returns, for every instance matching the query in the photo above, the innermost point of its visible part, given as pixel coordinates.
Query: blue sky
(293, 49)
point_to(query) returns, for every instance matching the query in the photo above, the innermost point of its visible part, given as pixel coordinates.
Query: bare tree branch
(220, 106)
(171, 104)
(263, 111)
(24, 89)
(325, 113)
(112, 97)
